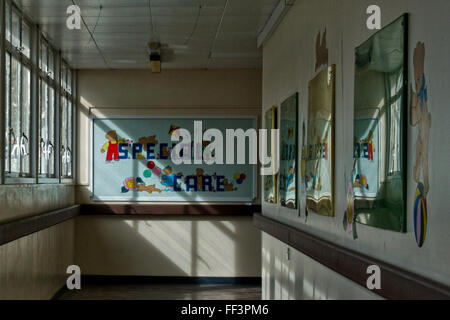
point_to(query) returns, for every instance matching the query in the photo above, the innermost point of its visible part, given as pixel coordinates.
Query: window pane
(64, 136)
(69, 139)
(43, 119)
(51, 63)
(69, 81)
(15, 28)
(26, 120)
(51, 130)
(8, 22)
(14, 126)
(26, 44)
(64, 75)
(43, 60)
(7, 117)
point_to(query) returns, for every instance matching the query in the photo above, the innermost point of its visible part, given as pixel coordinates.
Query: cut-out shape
(420, 117)
(321, 50)
(150, 188)
(420, 215)
(112, 146)
(130, 183)
(147, 173)
(150, 165)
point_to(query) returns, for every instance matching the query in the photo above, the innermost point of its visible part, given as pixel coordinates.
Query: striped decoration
(420, 215)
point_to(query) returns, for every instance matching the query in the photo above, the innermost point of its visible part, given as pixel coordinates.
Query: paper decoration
(421, 118)
(321, 50)
(349, 216)
(420, 215)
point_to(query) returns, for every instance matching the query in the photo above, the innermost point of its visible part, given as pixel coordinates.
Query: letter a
(374, 281)
(374, 21)
(74, 280)
(74, 20)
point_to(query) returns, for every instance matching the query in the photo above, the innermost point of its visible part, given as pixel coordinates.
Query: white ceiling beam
(275, 18)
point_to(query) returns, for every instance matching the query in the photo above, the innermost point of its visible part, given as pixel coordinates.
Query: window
(18, 96)
(66, 121)
(39, 106)
(47, 115)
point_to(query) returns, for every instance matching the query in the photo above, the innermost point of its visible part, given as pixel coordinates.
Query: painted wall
(197, 246)
(288, 65)
(34, 267)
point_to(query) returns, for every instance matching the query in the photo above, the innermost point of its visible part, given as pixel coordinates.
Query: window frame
(37, 78)
(70, 97)
(51, 82)
(24, 62)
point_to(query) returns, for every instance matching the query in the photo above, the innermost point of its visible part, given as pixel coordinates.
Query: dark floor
(163, 292)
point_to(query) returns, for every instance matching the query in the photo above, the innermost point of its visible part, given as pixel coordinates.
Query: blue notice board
(131, 161)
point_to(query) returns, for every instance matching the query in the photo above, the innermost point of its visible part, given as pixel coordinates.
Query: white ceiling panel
(193, 33)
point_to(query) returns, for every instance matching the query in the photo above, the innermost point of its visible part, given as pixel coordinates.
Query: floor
(163, 292)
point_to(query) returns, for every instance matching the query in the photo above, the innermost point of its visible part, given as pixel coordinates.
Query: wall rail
(396, 283)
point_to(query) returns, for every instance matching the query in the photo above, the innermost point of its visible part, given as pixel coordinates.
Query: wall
(34, 267)
(288, 65)
(176, 246)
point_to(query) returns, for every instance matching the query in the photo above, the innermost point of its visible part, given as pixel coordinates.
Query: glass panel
(69, 81)
(8, 21)
(51, 64)
(379, 125)
(44, 49)
(26, 35)
(43, 119)
(288, 159)
(51, 130)
(69, 155)
(14, 127)
(63, 136)
(15, 28)
(63, 75)
(319, 176)
(270, 181)
(26, 120)
(7, 116)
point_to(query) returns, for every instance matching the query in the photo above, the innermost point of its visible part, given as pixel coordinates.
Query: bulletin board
(131, 161)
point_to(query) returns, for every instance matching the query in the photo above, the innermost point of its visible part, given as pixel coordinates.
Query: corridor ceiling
(195, 34)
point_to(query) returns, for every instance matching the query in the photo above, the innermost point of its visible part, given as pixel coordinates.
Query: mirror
(288, 159)
(319, 177)
(379, 157)
(270, 181)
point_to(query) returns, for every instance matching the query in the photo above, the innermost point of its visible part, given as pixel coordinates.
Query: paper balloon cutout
(147, 173)
(420, 215)
(150, 165)
(157, 171)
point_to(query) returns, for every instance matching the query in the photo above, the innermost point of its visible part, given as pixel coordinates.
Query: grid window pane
(15, 29)
(51, 130)
(51, 64)
(7, 118)
(43, 59)
(64, 136)
(26, 42)
(43, 119)
(8, 21)
(14, 125)
(26, 120)
(69, 139)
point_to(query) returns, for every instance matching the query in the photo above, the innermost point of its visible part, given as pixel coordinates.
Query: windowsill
(19, 180)
(45, 180)
(69, 181)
